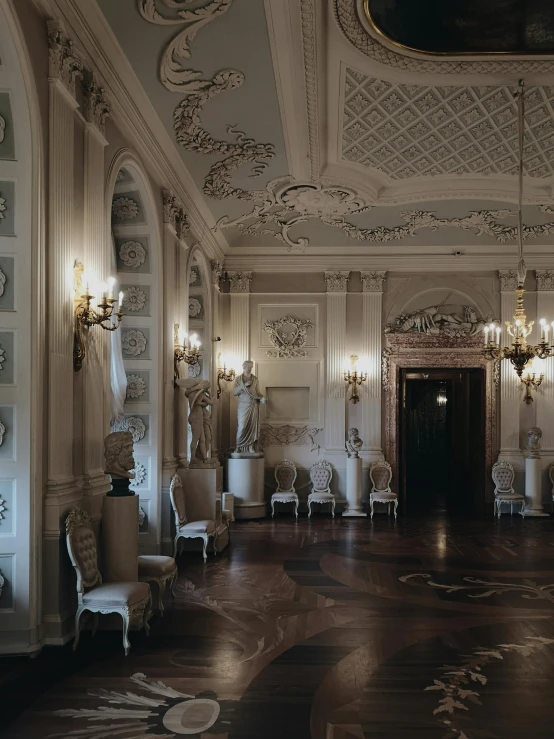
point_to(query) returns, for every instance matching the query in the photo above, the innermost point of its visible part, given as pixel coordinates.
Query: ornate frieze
(96, 107)
(508, 279)
(240, 281)
(217, 271)
(545, 279)
(450, 320)
(288, 335)
(288, 435)
(65, 64)
(372, 282)
(174, 214)
(337, 282)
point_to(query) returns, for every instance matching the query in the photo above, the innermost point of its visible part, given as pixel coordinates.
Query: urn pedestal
(120, 538)
(245, 480)
(533, 489)
(354, 488)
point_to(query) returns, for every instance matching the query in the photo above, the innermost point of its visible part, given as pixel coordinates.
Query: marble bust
(353, 444)
(118, 453)
(534, 442)
(248, 413)
(200, 420)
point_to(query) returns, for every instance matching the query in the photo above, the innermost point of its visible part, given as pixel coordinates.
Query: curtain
(118, 378)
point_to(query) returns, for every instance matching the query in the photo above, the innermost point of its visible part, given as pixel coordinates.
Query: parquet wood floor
(331, 629)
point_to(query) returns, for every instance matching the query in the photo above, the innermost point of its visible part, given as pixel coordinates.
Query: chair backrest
(380, 474)
(177, 495)
(503, 477)
(81, 546)
(321, 475)
(285, 474)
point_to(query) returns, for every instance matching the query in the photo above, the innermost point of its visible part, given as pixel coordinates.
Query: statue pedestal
(354, 488)
(120, 538)
(533, 488)
(246, 483)
(203, 501)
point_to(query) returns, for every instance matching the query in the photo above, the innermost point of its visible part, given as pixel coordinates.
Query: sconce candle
(86, 315)
(354, 378)
(228, 375)
(186, 349)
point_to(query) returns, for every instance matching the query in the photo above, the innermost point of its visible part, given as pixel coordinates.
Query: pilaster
(216, 272)
(370, 347)
(544, 399)
(239, 339)
(335, 416)
(98, 261)
(509, 389)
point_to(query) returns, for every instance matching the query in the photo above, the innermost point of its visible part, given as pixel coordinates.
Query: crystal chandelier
(520, 353)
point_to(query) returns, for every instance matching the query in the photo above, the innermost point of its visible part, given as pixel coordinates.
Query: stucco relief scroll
(288, 335)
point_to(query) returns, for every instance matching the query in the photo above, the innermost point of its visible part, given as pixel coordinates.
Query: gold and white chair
(321, 474)
(130, 599)
(380, 474)
(503, 477)
(285, 475)
(184, 529)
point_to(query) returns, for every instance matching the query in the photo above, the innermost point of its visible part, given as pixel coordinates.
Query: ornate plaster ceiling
(250, 100)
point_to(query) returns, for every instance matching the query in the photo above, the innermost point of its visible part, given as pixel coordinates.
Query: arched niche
(198, 275)
(135, 236)
(22, 327)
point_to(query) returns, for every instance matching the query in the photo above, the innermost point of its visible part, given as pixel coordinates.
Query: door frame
(423, 351)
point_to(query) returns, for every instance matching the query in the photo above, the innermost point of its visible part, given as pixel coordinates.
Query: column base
(245, 480)
(534, 514)
(354, 514)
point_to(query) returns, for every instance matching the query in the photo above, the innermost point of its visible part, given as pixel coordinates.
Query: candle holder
(353, 378)
(187, 349)
(531, 380)
(227, 375)
(104, 315)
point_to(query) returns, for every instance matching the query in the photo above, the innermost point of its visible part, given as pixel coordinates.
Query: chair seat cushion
(285, 497)
(155, 566)
(384, 496)
(321, 497)
(117, 594)
(197, 527)
(509, 496)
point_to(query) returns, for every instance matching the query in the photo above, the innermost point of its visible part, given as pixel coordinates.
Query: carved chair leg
(126, 622)
(175, 550)
(333, 509)
(205, 548)
(147, 610)
(78, 615)
(161, 591)
(173, 581)
(309, 509)
(272, 509)
(296, 509)
(94, 623)
(214, 541)
(371, 507)
(395, 508)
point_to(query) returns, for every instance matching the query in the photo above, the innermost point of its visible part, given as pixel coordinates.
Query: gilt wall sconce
(354, 378)
(227, 375)
(107, 314)
(531, 380)
(187, 348)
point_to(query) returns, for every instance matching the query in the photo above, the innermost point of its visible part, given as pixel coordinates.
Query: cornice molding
(137, 118)
(351, 21)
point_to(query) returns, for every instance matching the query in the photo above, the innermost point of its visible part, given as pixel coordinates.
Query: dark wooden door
(442, 441)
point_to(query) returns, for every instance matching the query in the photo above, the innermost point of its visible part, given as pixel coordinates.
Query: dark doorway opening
(442, 441)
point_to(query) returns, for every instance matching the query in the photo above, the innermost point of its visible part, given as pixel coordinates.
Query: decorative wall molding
(337, 282)
(385, 367)
(174, 214)
(195, 307)
(288, 342)
(444, 319)
(3, 206)
(134, 425)
(2, 129)
(2, 358)
(372, 282)
(96, 107)
(133, 343)
(240, 282)
(65, 64)
(289, 435)
(309, 47)
(2, 582)
(132, 254)
(140, 472)
(3, 279)
(134, 299)
(136, 386)
(349, 22)
(125, 209)
(2, 508)
(508, 279)
(217, 271)
(410, 131)
(545, 279)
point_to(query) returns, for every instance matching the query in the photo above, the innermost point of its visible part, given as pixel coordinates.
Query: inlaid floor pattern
(329, 629)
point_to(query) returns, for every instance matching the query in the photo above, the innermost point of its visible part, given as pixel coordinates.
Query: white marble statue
(248, 413)
(534, 436)
(118, 452)
(200, 420)
(353, 444)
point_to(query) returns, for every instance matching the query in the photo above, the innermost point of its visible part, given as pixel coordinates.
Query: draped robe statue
(248, 412)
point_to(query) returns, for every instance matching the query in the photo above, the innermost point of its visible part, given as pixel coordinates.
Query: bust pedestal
(203, 501)
(120, 535)
(245, 480)
(354, 488)
(533, 488)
